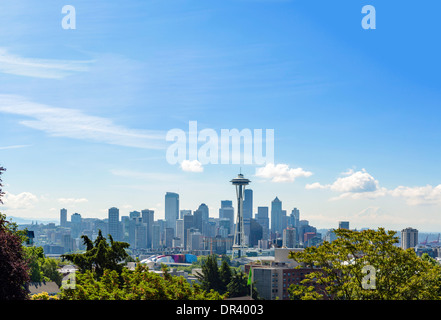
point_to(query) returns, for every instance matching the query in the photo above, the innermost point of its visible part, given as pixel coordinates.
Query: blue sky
(84, 112)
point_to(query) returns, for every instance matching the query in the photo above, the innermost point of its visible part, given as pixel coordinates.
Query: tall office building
(226, 211)
(205, 212)
(263, 219)
(137, 233)
(409, 238)
(63, 217)
(182, 213)
(113, 223)
(180, 232)
(248, 204)
(75, 225)
(134, 214)
(197, 220)
(156, 237)
(247, 212)
(188, 224)
(256, 233)
(148, 219)
(289, 238)
(171, 209)
(343, 225)
(295, 218)
(276, 216)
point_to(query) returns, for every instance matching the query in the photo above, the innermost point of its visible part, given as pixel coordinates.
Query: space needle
(239, 236)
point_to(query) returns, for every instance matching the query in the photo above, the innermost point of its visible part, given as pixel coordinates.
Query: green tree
(139, 284)
(35, 257)
(42, 268)
(13, 265)
(365, 265)
(210, 277)
(100, 255)
(225, 276)
(237, 287)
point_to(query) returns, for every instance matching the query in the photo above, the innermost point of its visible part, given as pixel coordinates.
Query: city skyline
(84, 113)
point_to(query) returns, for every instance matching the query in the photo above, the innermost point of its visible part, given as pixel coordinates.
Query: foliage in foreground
(139, 284)
(100, 255)
(366, 265)
(13, 265)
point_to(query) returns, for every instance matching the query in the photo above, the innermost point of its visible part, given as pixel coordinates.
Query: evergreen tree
(225, 275)
(100, 255)
(210, 277)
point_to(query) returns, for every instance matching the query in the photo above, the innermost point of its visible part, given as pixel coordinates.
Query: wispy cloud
(73, 123)
(151, 176)
(39, 68)
(70, 201)
(18, 146)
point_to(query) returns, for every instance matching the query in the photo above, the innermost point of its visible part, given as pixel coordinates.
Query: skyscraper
(171, 209)
(343, 225)
(276, 216)
(63, 217)
(247, 211)
(75, 225)
(295, 217)
(148, 219)
(205, 212)
(409, 238)
(226, 211)
(114, 223)
(263, 219)
(248, 204)
(188, 224)
(182, 213)
(289, 238)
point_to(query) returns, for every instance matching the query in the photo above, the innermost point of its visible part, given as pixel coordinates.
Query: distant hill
(20, 220)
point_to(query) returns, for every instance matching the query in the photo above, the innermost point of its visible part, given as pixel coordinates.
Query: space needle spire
(239, 236)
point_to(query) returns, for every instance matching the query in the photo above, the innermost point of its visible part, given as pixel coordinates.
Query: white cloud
(70, 201)
(23, 200)
(418, 195)
(73, 123)
(362, 185)
(281, 172)
(354, 182)
(39, 68)
(192, 166)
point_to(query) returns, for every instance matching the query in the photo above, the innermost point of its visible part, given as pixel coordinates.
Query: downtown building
(409, 238)
(273, 278)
